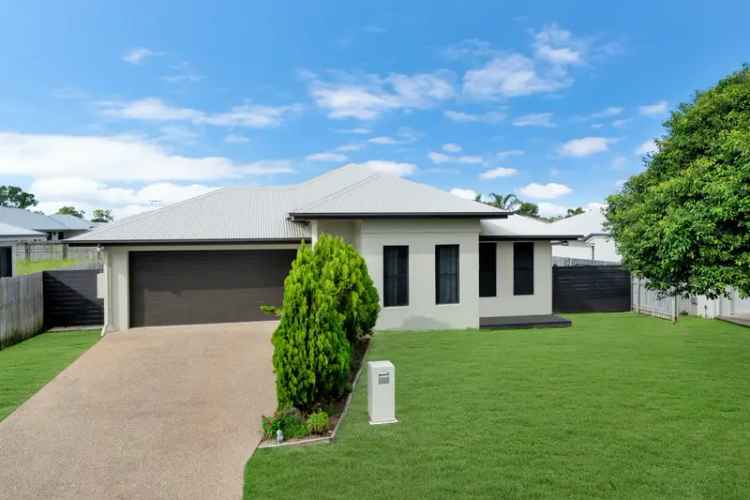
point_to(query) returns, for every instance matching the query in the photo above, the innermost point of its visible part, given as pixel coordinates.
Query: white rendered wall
(507, 304)
(421, 236)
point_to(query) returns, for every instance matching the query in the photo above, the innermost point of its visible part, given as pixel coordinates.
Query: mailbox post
(381, 392)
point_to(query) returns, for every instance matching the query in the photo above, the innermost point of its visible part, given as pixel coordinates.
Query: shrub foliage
(329, 300)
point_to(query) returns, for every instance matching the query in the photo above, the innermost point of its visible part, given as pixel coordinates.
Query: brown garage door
(193, 287)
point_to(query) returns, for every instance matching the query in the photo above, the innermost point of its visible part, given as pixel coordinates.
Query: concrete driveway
(170, 412)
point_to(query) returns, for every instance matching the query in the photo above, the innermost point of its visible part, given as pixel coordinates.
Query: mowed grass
(618, 406)
(27, 366)
(29, 267)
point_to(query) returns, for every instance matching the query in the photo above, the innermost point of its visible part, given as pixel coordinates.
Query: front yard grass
(27, 366)
(29, 266)
(617, 406)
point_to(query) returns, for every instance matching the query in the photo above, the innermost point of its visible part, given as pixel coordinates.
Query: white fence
(659, 304)
(21, 308)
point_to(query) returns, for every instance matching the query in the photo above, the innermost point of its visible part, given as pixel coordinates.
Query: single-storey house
(9, 237)
(438, 261)
(53, 227)
(596, 242)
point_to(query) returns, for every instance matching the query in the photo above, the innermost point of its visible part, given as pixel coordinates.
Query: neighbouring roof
(27, 219)
(73, 223)
(588, 224)
(521, 227)
(6, 230)
(267, 213)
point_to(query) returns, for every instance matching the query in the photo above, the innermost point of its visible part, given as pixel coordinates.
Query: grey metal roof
(521, 227)
(263, 213)
(587, 224)
(386, 195)
(73, 223)
(6, 230)
(27, 219)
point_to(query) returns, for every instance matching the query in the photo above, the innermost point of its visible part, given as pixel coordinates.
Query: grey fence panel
(43, 250)
(21, 308)
(590, 289)
(572, 261)
(70, 299)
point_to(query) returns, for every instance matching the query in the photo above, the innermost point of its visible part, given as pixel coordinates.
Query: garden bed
(336, 410)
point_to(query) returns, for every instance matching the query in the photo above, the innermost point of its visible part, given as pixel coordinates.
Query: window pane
(487, 269)
(446, 274)
(523, 268)
(395, 276)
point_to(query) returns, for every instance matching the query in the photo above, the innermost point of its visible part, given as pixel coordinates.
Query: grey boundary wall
(42, 250)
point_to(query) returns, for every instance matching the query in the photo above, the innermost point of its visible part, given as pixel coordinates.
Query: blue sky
(142, 104)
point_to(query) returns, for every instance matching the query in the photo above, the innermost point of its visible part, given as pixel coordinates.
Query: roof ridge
(339, 192)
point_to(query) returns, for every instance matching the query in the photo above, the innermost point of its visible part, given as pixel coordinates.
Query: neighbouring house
(9, 237)
(438, 261)
(596, 242)
(54, 227)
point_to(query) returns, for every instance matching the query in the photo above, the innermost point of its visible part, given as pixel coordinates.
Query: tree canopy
(684, 223)
(15, 197)
(102, 215)
(71, 211)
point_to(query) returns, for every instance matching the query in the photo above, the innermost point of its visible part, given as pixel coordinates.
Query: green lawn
(29, 267)
(618, 406)
(27, 366)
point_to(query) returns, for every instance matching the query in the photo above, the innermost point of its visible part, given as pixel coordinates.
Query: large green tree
(684, 223)
(102, 215)
(15, 197)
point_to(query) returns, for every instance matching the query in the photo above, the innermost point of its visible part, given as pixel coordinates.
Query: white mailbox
(381, 392)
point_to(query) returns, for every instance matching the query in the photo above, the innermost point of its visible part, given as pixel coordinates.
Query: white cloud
(655, 109)
(620, 182)
(326, 157)
(558, 46)
(594, 206)
(236, 139)
(509, 153)
(444, 158)
(154, 109)
(368, 97)
(356, 130)
(452, 148)
(182, 73)
(86, 194)
(137, 55)
(462, 117)
(547, 191)
(547, 209)
(498, 172)
(534, 120)
(509, 76)
(607, 113)
(387, 167)
(619, 162)
(466, 194)
(115, 158)
(620, 123)
(646, 148)
(346, 148)
(469, 48)
(382, 140)
(585, 146)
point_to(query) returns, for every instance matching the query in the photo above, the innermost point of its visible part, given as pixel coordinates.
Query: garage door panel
(193, 287)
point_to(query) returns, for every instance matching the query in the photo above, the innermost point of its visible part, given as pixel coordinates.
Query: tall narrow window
(446, 274)
(395, 276)
(488, 269)
(523, 268)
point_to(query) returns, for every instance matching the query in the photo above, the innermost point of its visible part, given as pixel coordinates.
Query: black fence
(590, 289)
(70, 299)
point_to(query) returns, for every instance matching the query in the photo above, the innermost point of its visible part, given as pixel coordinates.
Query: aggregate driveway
(168, 413)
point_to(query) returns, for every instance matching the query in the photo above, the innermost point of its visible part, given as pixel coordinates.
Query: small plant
(289, 421)
(270, 310)
(317, 422)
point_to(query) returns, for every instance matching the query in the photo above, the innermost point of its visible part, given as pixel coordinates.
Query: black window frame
(523, 268)
(438, 274)
(401, 298)
(488, 277)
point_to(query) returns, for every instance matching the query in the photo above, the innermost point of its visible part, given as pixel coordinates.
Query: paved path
(150, 413)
